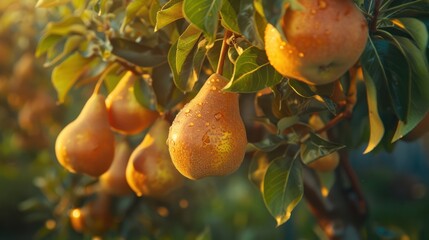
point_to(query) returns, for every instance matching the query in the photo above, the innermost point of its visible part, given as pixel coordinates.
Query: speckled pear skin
(87, 144)
(208, 137)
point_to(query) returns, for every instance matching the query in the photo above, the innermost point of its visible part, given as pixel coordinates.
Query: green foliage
(174, 45)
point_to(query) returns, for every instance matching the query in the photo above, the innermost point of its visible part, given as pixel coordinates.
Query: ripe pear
(87, 144)
(95, 217)
(114, 180)
(150, 171)
(207, 137)
(326, 163)
(126, 114)
(323, 40)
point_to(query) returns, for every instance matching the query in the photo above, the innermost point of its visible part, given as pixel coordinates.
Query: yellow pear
(326, 163)
(87, 144)
(207, 137)
(150, 171)
(126, 114)
(323, 40)
(114, 180)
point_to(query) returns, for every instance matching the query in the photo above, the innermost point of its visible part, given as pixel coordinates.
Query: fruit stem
(377, 5)
(223, 52)
(103, 76)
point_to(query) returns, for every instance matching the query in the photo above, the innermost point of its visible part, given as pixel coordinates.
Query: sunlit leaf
(253, 72)
(65, 75)
(72, 43)
(47, 42)
(50, 3)
(67, 26)
(283, 187)
(169, 13)
(316, 147)
(204, 14)
(185, 44)
(301, 88)
(275, 9)
(258, 167)
(375, 123)
(134, 8)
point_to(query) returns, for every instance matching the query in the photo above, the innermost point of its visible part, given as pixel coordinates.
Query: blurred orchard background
(37, 194)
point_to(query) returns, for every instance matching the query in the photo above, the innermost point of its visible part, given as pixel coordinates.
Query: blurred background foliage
(37, 195)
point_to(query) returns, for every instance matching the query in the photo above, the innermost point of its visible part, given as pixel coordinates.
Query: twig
(223, 52)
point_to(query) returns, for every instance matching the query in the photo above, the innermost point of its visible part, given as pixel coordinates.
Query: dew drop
(301, 54)
(207, 124)
(313, 11)
(218, 116)
(290, 51)
(282, 47)
(322, 4)
(187, 110)
(199, 115)
(200, 104)
(212, 80)
(191, 124)
(214, 88)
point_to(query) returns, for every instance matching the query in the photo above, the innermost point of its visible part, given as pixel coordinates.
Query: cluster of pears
(87, 145)
(324, 38)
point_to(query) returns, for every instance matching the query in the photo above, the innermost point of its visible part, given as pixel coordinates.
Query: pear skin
(150, 171)
(87, 144)
(208, 137)
(126, 114)
(323, 40)
(114, 180)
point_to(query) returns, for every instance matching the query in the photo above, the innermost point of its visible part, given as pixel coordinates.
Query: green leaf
(316, 147)
(67, 26)
(228, 13)
(275, 9)
(169, 13)
(144, 93)
(419, 89)
(416, 29)
(72, 43)
(253, 72)
(301, 88)
(50, 3)
(204, 14)
(283, 187)
(167, 94)
(387, 65)
(65, 75)
(268, 144)
(287, 122)
(213, 57)
(186, 77)
(134, 9)
(185, 45)
(247, 23)
(136, 53)
(47, 42)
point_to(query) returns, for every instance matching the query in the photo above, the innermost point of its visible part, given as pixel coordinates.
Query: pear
(150, 171)
(114, 180)
(126, 114)
(87, 144)
(95, 217)
(324, 39)
(208, 137)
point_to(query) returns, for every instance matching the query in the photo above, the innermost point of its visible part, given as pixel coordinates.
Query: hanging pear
(150, 171)
(114, 180)
(207, 137)
(126, 114)
(87, 144)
